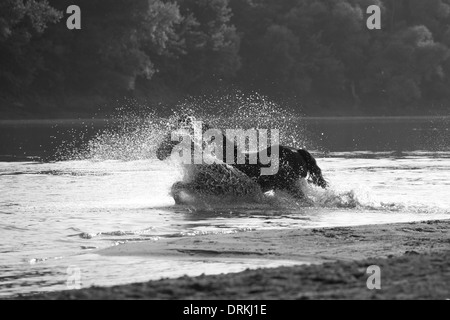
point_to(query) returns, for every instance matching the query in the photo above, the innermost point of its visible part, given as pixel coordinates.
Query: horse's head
(165, 148)
(184, 125)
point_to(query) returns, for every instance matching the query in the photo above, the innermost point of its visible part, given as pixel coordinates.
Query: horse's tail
(314, 171)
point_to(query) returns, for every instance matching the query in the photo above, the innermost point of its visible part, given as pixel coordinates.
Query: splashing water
(127, 138)
(135, 131)
(239, 111)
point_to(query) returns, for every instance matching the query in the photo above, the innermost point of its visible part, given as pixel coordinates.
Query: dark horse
(294, 164)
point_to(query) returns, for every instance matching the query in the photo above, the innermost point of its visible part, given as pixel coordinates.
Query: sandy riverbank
(414, 259)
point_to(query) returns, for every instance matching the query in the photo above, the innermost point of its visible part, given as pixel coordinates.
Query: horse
(294, 164)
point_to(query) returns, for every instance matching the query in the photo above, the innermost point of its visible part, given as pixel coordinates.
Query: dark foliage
(309, 50)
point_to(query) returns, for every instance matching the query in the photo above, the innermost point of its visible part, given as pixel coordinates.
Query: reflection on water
(380, 134)
(54, 214)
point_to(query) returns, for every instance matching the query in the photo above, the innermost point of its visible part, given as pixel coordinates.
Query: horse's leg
(296, 191)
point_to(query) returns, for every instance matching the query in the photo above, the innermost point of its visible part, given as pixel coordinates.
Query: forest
(315, 56)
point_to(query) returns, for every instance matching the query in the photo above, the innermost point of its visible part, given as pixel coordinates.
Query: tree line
(318, 53)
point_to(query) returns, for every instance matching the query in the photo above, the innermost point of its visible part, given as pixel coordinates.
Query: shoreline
(414, 259)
